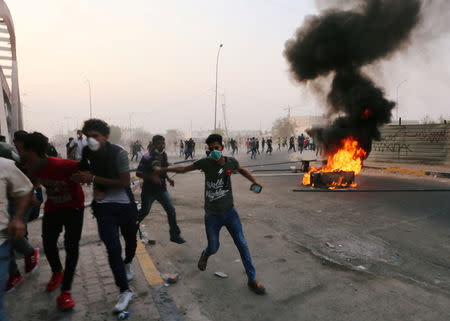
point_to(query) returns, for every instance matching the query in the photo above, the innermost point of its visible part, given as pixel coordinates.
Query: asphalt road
(321, 256)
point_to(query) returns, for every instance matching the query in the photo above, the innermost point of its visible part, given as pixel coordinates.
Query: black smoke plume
(342, 42)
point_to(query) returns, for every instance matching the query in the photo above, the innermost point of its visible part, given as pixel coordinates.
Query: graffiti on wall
(430, 135)
(393, 143)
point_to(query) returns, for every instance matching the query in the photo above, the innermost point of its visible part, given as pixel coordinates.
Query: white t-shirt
(80, 145)
(13, 183)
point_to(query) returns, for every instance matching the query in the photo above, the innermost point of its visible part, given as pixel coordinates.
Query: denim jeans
(110, 217)
(229, 219)
(163, 197)
(22, 245)
(4, 266)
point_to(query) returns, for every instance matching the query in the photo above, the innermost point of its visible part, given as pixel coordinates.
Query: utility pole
(215, 102)
(402, 82)
(90, 97)
(224, 115)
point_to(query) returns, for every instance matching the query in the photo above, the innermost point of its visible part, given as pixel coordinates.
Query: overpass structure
(11, 118)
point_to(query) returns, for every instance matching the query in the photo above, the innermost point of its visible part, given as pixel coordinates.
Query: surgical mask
(93, 144)
(159, 152)
(215, 154)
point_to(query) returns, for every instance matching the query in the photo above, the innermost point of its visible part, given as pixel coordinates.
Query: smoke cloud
(340, 42)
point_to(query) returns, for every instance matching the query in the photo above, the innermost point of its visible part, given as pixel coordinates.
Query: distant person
(157, 190)
(269, 146)
(70, 149)
(219, 204)
(279, 143)
(291, 144)
(189, 148)
(301, 143)
(77, 145)
(181, 147)
(263, 144)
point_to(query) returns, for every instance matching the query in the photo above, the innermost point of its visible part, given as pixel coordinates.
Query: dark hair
(214, 138)
(157, 138)
(96, 124)
(19, 136)
(70, 138)
(2, 138)
(36, 142)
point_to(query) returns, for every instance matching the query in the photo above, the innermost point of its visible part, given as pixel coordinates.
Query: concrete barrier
(427, 144)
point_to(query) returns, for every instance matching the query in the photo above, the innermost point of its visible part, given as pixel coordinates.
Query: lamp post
(402, 82)
(90, 98)
(215, 101)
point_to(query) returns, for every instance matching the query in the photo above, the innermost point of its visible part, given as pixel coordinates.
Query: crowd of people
(29, 166)
(264, 145)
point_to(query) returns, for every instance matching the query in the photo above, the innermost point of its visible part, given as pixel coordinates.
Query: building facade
(11, 118)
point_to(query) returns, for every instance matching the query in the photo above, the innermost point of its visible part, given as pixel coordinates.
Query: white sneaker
(124, 299)
(129, 271)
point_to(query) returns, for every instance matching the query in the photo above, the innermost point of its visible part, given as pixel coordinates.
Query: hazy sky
(153, 62)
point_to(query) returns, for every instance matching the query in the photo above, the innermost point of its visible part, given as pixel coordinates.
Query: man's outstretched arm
(244, 172)
(177, 169)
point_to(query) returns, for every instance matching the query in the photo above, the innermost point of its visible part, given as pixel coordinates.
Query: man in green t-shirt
(219, 206)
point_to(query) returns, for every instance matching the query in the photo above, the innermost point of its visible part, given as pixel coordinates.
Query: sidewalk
(442, 171)
(93, 290)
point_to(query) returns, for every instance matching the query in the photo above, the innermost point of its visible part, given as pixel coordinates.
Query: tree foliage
(283, 127)
(115, 134)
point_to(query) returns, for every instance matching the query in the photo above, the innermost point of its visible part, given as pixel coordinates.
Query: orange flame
(348, 158)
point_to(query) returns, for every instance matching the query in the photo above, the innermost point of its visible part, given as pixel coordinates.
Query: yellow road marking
(150, 272)
(405, 171)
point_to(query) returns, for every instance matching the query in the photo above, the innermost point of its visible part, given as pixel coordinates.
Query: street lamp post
(90, 98)
(215, 101)
(402, 82)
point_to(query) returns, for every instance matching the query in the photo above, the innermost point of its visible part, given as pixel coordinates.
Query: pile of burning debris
(340, 169)
(338, 43)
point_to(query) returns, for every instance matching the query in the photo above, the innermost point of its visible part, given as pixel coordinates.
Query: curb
(165, 304)
(411, 171)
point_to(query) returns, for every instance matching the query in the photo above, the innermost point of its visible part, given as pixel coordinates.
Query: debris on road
(329, 245)
(170, 278)
(221, 274)
(123, 315)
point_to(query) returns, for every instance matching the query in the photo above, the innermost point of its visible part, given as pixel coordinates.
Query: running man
(114, 206)
(64, 208)
(219, 205)
(157, 191)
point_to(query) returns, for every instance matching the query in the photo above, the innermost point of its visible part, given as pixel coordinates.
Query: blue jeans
(229, 219)
(163, 197)
(110, 218)
(5, 252)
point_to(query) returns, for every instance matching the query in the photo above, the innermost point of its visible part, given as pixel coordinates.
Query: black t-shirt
(218, 191)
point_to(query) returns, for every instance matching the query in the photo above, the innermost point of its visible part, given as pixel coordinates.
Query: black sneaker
(202, 262)
(178, 239)
(256, 287)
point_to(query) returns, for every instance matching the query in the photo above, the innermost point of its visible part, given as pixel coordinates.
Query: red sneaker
(65, 301)
(55, 281)
(32, 261)
(13, 281)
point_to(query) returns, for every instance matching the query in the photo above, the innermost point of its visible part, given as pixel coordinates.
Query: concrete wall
(428, 144)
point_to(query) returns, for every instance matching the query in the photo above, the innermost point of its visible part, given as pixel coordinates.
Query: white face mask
(93, 144)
